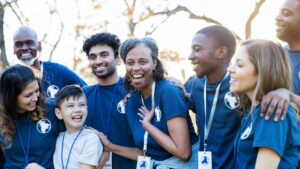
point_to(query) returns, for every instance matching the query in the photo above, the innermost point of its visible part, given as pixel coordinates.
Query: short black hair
(103, 38)
(222, 36)
(67, 92)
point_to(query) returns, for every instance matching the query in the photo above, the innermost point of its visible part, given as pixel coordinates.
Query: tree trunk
(4, 63)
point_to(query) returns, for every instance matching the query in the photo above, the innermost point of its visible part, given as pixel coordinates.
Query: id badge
(204, 160)
(108, 164)
(143, 162)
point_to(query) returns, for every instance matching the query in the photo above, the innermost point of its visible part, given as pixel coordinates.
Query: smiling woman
(171, 134)
(26, 126)
(263, 144)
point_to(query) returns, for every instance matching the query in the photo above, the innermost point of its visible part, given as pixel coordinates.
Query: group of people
(246, 112)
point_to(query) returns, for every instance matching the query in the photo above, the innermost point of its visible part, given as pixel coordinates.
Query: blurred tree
(143, 12)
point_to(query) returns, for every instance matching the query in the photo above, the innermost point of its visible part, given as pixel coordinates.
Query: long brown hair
(12, 82)
(271, 66)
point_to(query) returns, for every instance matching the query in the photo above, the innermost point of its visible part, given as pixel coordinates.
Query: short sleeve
(174, 104)
(271, 134)
(91, 151)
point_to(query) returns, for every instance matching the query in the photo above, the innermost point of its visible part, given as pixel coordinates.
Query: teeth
(77, 117)
(137, 76)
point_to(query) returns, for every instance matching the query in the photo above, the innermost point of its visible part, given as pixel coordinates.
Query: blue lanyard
(62, 149)
(28, 143)
(105, 129)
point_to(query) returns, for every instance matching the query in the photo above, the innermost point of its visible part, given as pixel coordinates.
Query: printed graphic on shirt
(231, 101)
(246, 133)
(299, 74)
(121, 107)
(157, 113)
(43, 126)
(52, 90)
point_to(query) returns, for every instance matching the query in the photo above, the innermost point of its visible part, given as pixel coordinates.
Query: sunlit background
(69, 22)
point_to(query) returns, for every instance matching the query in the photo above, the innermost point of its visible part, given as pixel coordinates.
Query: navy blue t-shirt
(169, 103)
(294, 57)
(189, 84)
(42, 142)
(283, 137)
(55, 76)
(225, 123)
(118, 130)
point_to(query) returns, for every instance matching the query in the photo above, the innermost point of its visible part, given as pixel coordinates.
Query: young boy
(78, 147)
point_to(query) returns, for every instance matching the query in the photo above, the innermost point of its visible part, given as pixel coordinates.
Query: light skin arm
(127, 152)
(267, 158)
(178, 143)
(86, 166)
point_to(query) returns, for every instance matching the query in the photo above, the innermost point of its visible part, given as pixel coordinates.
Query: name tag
(108, 164)
(204, 160)
(143, 162)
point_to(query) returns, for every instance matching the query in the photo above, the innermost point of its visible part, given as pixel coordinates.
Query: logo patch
(157, 113)
(43, 126)
(52, 90)
(299, 74)
(231, 101)
(121, 107)
(246, 133)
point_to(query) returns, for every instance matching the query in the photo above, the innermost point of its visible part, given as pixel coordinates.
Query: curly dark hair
(103, 38)
(131, 43)
(12, 82)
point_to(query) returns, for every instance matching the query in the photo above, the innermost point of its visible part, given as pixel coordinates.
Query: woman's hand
(106, 143)
(34, 166)
(146, 115)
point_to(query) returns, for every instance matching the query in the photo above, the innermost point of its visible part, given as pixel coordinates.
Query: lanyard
(105, 129)
(62, 149)
(26, 152)
(146, 132)
(207, 126)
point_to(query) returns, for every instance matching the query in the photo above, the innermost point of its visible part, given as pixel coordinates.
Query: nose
(35, 97)
(24, 46)
(98, 60)
(278, 17)
(231, 68)
(136, 67)
(191, 56)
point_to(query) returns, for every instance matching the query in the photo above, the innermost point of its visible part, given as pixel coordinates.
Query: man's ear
(39, 46)
(58, 113)
(221, 53)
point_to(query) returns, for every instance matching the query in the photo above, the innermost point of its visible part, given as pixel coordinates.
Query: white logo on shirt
(157, 113)
(121, 107)
(247, 132)
(231, 101)
(43, 126)
(299, 74)
(52, 90)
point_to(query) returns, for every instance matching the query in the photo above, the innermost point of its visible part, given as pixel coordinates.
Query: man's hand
(275, 100)
(180, 85)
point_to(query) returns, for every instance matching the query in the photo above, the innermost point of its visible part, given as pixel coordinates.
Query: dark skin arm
(278, 100)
